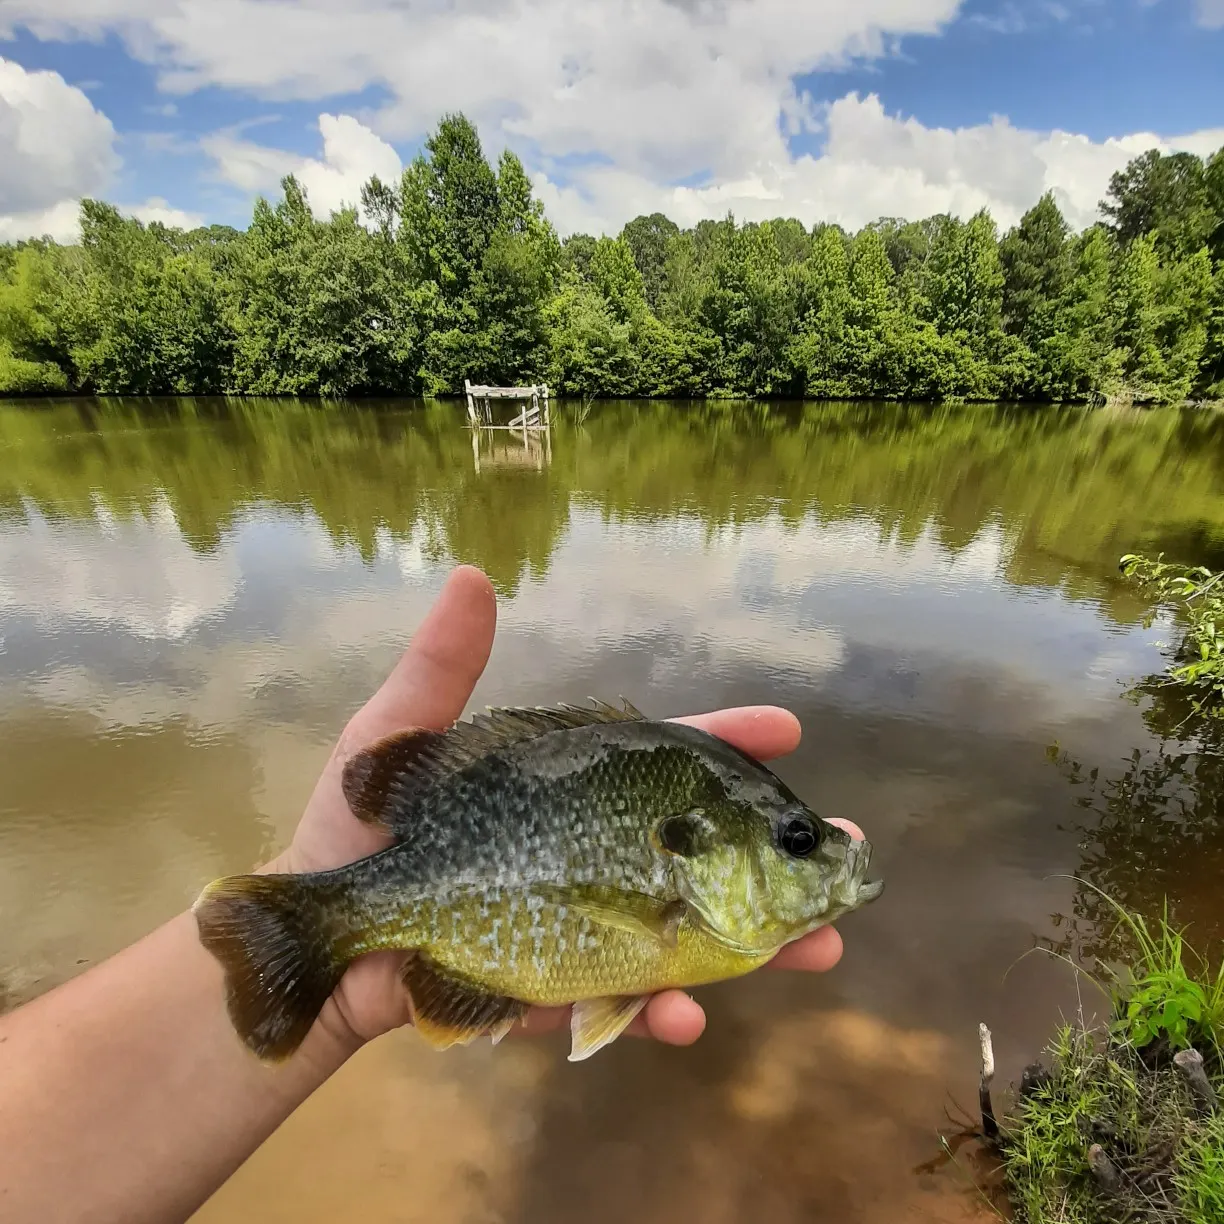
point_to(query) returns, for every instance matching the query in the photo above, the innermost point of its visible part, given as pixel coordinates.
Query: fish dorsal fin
(379, 782)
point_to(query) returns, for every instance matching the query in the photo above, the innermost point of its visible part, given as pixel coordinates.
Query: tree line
(454, 272)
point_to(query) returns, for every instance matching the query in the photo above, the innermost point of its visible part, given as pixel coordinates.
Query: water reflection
(194, 595)
(1152, 831)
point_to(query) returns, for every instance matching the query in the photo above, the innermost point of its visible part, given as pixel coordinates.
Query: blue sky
(185, 109)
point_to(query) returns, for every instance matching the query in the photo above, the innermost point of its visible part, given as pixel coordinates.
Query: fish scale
(541, 857)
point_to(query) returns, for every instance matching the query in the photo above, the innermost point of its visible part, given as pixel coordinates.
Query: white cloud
(60, 222)
(665, 88)
(351, 154)
(611, 105)
(157, 209)
(54, 147)
(875, 164)
(1210, 13)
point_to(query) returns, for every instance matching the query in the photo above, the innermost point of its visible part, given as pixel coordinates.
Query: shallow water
(194, 596)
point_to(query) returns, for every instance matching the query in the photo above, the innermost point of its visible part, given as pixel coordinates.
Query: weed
(1117, 1087)
(1195, 594)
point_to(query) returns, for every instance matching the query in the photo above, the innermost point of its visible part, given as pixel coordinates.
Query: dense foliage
(455, 272)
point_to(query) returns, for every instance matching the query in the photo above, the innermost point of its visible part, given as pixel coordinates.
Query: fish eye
(798, 837)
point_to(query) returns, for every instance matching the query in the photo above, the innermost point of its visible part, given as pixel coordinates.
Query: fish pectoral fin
(447, 1011)
(635, 912)
(595, 1023)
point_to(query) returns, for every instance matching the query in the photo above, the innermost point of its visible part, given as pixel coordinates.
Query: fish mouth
(869, 890)
(861, 889)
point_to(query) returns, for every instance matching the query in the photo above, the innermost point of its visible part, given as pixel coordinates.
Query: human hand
(429, 687)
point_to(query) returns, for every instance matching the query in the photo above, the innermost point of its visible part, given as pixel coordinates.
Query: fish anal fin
(635, 912)
(595, 1023)
(447, 1011)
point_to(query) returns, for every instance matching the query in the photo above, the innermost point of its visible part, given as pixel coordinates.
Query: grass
(1117, 1086)
(1199, 1178)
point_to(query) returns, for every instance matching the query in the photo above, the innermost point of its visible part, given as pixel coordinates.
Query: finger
(674, 1018)
(814, 953)
(671, 1017)
(435, 676)
(763, 732)
(842, 823)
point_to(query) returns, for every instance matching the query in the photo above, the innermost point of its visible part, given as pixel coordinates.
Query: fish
(541, 856)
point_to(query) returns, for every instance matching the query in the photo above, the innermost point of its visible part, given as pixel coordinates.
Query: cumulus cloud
(157, 209)
(875, 164)
(60, 222)
(55, 146)
(663, 88)
(687, 106)
(351, 154)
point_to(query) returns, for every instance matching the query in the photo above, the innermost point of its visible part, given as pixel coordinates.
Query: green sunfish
(541, 856)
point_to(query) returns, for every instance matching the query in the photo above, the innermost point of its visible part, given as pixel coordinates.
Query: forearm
(165, 1101)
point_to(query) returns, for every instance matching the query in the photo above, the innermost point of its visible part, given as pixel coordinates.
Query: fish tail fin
(271, 935)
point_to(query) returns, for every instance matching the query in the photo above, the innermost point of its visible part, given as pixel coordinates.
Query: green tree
(825, 293)
(749, 303)
(1036, 262)
(309, 304)
(1161, 322)
(648, 238)
(876, 335)
(963, 281)
(591, 350)
(576, 252)
(35, 342)
(1166, 195)
(481, 259)
(1073, 341)
(455, 272)
(150, 318)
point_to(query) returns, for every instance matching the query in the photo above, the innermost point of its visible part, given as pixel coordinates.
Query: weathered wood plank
(533, 416)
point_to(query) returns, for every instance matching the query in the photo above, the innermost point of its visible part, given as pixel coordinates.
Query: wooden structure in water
(533, 416)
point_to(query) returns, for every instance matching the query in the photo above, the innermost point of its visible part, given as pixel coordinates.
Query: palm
(429, 687)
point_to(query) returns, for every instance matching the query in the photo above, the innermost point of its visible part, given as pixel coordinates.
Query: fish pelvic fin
(270, 934)
(595, 1023)
(381, 782)
(447, 1010)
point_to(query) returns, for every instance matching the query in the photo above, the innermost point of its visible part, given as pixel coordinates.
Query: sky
(185, 111)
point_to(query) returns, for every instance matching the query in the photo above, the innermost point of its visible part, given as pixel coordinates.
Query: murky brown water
(193, 598)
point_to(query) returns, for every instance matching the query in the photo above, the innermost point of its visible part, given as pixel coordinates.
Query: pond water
(194, 595)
